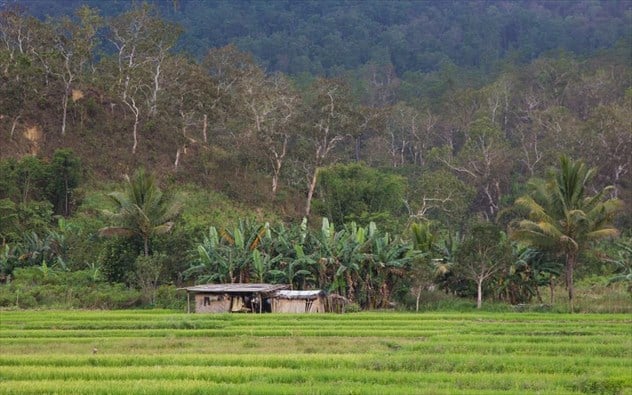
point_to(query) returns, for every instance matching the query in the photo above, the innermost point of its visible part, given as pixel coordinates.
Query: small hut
(233, 298)
(286, 301)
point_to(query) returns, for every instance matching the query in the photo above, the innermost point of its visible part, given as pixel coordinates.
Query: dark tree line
(327, 37)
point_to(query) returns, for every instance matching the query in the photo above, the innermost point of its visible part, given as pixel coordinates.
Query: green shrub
(168, 297)
(39, 287)
(352, 308)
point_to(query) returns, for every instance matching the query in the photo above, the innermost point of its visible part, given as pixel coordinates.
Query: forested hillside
(329, 37)
(417, 129)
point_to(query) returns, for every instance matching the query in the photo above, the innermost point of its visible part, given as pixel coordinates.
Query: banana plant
(295, 248)
(8, 261)
(262, 264)
(35, 249)
(328, 251)
(354, 253)
(228, 256)
(290, 273)
(423, 253)
(214, 262)
(623, 263)
(387, 263)
(531, 269)
(280, 240)
(243, 240)
(447, 250)
(422, 238)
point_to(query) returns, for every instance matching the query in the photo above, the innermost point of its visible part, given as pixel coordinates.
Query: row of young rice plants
(398, 353)
(390, 365)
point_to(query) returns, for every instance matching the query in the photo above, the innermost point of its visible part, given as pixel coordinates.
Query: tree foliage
(563, 218)
(141, 210)
(485, 252)
(357, 193)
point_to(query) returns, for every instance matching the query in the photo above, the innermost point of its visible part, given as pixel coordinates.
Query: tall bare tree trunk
(135, 133)
(277, 163)
(479, 294)
(310, 193)
(64, 105)
(275, 181)
(418, 298)
(154, 93)
(177, 161)
(205, 128)
(131, 103)
(14, 124)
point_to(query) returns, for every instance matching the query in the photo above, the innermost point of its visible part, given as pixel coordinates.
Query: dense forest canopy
(330, 37)
(410, 125)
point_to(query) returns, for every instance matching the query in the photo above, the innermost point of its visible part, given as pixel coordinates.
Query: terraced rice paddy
(134, 352)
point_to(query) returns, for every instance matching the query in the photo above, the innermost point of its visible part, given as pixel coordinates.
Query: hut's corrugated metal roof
(237, 288)
(307, 294)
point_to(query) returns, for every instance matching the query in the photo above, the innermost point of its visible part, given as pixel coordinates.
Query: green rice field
(149, 351)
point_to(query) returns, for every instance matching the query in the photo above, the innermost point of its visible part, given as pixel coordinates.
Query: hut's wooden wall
(206, 303)
(298, 305)
(227, 303)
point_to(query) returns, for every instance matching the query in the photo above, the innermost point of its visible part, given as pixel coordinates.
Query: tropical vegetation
(562, 219)
(393, 153)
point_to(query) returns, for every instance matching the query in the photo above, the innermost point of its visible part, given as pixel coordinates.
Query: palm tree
(562, 218)
(141, 210)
